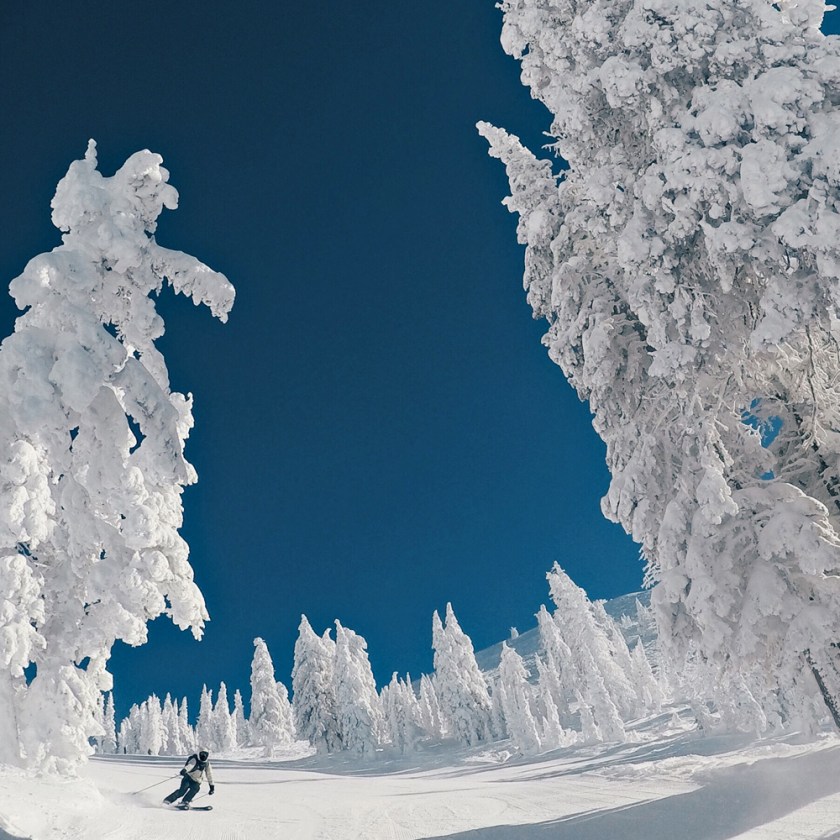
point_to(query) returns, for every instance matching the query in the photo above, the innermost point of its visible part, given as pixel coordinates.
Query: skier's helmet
(204, 753)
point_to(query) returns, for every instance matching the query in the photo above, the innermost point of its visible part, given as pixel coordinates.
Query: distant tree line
(585, 686)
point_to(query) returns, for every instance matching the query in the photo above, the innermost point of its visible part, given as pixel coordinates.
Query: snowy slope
(669, 783)
(666, 782)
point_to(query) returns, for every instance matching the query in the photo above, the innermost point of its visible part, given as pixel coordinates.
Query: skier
(193, 772)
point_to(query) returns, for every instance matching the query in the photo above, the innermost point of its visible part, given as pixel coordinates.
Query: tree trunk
(828, 698)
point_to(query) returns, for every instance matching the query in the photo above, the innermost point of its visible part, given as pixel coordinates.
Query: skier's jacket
(197, 769)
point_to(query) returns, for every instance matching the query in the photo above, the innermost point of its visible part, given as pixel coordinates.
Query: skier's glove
(183, 772)
(212, 789)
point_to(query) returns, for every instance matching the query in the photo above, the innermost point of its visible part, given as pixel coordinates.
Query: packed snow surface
(668, 782)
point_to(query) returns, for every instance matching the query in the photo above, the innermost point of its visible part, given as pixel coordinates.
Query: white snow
(669, 782)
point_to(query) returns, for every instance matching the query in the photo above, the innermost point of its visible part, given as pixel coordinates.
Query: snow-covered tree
(243, 734)
(599, 679)
(461, 690)
(357, 704)
(224, 727)
(269, 723)
(313, 688)
(588, 640)
(687, 264)
(430, 714)
(93, 465)
(557, 669)
(615, 638)
(401, 715)
(186, 732)
(205, 731)
(287, 714)
(589, 729)
(644, 681)
(516, 699)
(498, 724)
(173, 745)
(151, 737)
(412, 704)
(127, 735)
(109, 739)
(552, 732)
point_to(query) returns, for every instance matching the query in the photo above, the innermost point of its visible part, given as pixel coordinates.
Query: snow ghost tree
(224, 724)
(93, 460)
(403, 725)
(516, 696)
(430, 714)
(461, 690)
(240, 722)
(688, 265)
(109, 739)
(357, 705)
(204, 728)
(270, 723)
(316, 718)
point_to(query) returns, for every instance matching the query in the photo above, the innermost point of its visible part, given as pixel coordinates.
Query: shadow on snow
(729, 802)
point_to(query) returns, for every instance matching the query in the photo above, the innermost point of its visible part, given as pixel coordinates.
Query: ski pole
(167, 779)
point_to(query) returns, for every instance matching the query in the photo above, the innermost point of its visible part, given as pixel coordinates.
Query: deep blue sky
(378, 429)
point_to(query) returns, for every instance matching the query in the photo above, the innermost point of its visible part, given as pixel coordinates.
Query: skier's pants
(188, 790)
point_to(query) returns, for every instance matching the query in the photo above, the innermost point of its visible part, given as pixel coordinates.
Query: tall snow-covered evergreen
(431, 718)
(224, 726)
(402, 725)
(313, 688)
(173, 743)
(287, 714)
(516, 695)
(205, 731)
(687, 265)
(126, 736)
(152, 736)
(240, 722)
(357, 705)
(186, 732)
(269, 722)
(599, 675)
(557, 671)
(93, 465)
(460, 687)
(109, 738)
(552, 732)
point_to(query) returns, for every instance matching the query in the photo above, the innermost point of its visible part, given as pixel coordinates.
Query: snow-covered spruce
(313, 689)
(516, 696)
(688, 265)
(108, 742)
(186, 733)
(431, 718)
(204, 728)
(460, 687)
(224, 724)
(403, 726)
(357, 705)
(243, 729)
(593, 658)
(270, 724)
(93, 465)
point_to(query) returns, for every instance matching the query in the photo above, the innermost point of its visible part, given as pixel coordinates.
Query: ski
(193, 807)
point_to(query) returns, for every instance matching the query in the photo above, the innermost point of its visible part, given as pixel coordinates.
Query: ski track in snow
(673, 784)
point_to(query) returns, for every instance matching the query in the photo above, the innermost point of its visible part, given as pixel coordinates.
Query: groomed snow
(669, 783)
